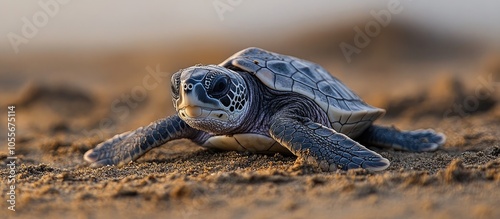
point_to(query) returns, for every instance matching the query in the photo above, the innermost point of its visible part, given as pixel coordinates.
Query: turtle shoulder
(287, 73)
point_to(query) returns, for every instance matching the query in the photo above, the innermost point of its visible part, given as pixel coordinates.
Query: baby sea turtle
(264, 102)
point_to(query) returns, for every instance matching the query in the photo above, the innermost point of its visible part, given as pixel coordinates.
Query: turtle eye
(219, 86)
(175, 83)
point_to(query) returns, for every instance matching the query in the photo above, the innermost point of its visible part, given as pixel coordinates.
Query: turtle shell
(347, 112)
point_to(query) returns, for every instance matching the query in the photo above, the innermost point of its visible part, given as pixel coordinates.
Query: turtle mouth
(196, 112)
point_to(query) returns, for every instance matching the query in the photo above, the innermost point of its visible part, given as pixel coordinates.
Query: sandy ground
(58, 122)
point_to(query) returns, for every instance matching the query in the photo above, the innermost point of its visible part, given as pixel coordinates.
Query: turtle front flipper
(415, 141)
(329, 149)
(130, 145)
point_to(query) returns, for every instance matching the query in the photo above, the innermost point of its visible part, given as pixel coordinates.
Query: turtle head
(210, 98)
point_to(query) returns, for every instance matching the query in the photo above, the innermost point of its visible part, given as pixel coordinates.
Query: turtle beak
(189, 105)
(193, 106)
(193, 99)
(191, 111)
(191, 96)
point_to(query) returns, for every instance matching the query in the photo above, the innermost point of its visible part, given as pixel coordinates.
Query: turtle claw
(92, 157)
(375, 166)
(371, 161)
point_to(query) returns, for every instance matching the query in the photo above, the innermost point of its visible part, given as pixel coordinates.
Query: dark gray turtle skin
(264, 102)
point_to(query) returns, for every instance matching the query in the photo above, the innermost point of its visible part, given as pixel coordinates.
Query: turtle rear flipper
(130, 145)
(329, 149)
(415, 141)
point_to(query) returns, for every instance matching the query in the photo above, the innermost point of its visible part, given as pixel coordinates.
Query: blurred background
(88, 67)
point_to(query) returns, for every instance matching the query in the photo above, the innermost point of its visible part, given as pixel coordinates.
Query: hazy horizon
(122, 24)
